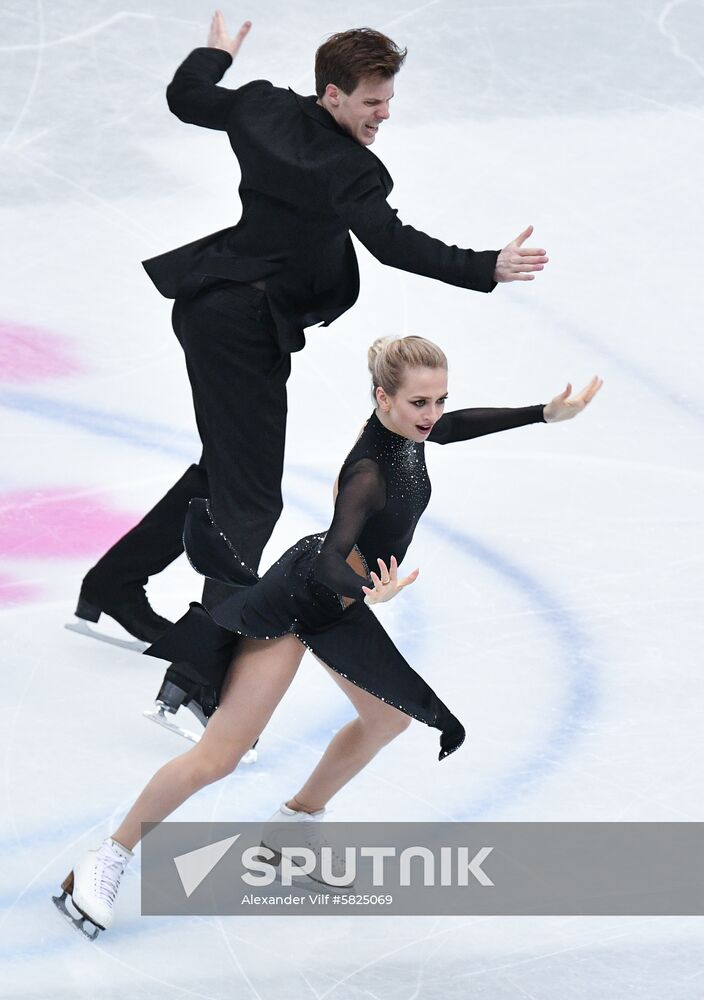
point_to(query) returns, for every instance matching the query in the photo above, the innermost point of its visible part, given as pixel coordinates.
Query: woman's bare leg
(352, 747)
(257, 680)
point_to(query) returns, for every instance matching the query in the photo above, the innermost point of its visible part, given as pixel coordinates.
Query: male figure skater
(244, 295)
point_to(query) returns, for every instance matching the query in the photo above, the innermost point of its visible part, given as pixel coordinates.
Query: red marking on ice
(16, 592)
(28, 353)
(58, 523)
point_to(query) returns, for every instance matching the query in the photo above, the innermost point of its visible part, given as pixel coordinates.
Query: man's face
(361, 112)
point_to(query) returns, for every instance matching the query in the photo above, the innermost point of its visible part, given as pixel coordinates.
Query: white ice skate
(92, 886)
(277, 834)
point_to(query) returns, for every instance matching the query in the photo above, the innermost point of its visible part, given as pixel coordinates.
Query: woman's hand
(564, 408)
(387, 585)
(218, 37)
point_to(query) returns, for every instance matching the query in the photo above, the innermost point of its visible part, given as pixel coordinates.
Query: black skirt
(288, 599)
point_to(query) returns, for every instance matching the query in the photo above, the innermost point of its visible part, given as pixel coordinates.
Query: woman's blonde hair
(389, 357)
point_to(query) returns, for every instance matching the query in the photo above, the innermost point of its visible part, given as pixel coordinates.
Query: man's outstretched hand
(218, 37)
(516, 262)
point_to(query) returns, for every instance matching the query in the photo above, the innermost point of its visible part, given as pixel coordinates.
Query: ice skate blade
(159, 716)
(76, 922)
(82, 627)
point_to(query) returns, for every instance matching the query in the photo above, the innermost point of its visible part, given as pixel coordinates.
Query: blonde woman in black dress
(317, 595)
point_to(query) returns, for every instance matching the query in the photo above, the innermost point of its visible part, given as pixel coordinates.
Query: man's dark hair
(348, 56)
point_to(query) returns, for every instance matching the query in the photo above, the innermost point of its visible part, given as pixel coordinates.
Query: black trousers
(238, 378)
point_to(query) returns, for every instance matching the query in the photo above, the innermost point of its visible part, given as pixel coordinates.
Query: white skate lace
(110, 873)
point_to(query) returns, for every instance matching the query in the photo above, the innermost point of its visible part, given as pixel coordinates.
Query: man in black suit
(244, 295)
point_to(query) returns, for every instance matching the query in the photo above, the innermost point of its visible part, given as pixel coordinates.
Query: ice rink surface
(558, 608)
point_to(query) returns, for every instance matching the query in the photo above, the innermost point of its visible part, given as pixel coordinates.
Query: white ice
(558, 608)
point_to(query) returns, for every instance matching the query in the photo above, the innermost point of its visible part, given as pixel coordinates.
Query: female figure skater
(316, 595)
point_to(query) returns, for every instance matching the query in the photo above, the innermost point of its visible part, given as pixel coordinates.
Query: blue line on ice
(141, 434)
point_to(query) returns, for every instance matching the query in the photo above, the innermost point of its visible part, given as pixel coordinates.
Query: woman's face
(418, 404)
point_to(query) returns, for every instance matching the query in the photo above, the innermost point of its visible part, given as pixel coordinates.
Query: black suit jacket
(305, 184)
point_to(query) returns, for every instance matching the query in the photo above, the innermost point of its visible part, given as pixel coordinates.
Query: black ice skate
(176, 692)
(129, 608)
(169, 699)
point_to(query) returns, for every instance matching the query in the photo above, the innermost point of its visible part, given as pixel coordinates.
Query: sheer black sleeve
(461, 425)
(361, 493)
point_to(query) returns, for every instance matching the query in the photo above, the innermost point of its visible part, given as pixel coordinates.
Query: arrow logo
(197, 865)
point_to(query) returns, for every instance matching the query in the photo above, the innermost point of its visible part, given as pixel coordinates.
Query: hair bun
(377, 348)
(389, 358)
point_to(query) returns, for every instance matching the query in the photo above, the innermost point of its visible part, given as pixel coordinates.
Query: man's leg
(115, 585)
(151, 545)
(238, 377)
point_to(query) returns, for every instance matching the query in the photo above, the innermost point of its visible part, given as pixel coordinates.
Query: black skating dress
(383, 489)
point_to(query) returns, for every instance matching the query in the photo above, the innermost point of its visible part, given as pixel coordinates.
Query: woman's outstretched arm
(461, 425)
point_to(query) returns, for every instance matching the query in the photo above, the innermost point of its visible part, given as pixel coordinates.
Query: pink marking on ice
(16, 592)
(28, 353)
(58, 524)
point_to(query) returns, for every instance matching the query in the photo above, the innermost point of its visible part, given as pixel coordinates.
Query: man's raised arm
(192, 95)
